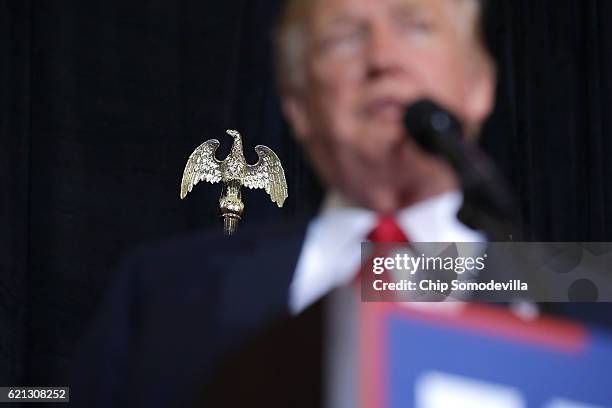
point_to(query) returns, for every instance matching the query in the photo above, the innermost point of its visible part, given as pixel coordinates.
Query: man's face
(365, 62)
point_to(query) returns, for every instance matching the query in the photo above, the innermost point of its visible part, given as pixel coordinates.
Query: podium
(482, 356)
(463, 356)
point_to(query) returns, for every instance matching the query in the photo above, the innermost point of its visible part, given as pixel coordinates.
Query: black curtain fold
(549, 132)
(15, 143)
(101, 102)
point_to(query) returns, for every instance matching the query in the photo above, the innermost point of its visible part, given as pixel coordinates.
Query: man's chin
(381, 201)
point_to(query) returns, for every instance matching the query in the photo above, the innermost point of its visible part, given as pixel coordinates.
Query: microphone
(487, 204)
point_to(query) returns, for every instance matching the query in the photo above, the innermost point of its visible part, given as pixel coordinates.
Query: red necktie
(387, 230)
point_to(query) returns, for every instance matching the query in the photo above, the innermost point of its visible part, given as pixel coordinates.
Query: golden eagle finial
(234, 172)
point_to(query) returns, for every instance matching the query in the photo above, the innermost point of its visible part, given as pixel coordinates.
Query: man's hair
(290, 43)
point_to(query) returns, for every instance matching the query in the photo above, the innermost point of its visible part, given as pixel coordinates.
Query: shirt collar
(431, 220)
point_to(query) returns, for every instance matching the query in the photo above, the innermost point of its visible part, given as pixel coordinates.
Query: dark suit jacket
(178, 309)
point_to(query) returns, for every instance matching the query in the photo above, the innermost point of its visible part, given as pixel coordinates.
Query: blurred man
(347, 69)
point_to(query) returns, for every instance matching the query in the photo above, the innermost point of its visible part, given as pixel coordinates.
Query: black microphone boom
(487, 204)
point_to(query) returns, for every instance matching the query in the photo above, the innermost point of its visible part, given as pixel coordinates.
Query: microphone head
(426, 122)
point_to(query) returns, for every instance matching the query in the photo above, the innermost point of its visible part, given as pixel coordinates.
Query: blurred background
(101, 102)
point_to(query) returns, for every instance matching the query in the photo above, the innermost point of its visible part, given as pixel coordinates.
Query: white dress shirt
(331, 253)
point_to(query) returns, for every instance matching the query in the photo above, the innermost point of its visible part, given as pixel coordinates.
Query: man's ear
(295, 111)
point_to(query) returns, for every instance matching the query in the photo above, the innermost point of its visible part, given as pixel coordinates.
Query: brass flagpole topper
(234, 172)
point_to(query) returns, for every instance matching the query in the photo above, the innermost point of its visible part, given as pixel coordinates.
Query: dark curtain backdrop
(101, 102)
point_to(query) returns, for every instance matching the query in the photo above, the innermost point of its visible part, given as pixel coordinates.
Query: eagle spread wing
(201, 166)
(267, 173)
